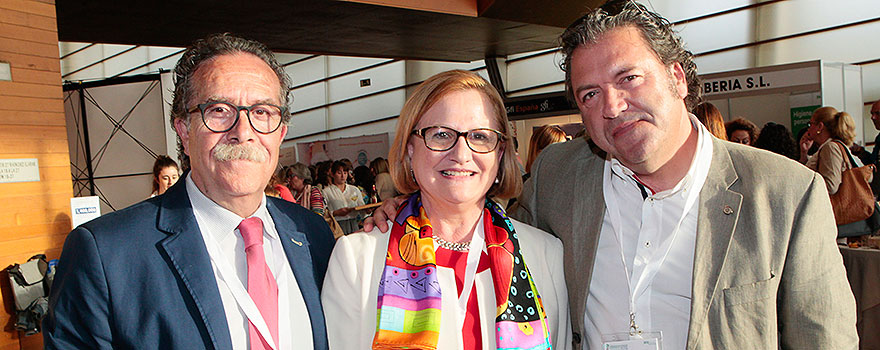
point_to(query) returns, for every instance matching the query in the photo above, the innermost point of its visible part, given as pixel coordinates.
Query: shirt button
(647, 244)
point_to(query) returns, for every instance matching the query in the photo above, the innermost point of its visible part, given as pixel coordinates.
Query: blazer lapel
(185, 252)
(586, 225)
(719, 208)
(296, 246)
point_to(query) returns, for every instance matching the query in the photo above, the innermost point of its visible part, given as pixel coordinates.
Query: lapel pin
(296, 242)
(728, 210)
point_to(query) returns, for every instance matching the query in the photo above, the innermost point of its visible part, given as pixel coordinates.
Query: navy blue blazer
(141, 278)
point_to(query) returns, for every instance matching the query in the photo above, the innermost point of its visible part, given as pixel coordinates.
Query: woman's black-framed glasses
(441, 138)
(222, 116)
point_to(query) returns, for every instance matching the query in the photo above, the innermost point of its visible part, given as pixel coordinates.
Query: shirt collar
(223, 221)
(698, 167)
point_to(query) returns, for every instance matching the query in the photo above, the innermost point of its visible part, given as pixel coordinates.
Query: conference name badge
(638, 341)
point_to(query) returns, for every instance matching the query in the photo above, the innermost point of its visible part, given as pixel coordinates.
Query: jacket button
(576, 337)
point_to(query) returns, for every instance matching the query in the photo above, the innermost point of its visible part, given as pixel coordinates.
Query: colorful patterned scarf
(409, 293)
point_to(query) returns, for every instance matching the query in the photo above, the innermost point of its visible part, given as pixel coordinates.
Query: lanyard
(642, 280)
(223, 269)
(475, 250)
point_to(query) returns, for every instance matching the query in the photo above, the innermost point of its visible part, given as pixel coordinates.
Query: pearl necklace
(453, 246)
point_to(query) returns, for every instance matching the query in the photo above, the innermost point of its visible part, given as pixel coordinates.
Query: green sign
(800, 118)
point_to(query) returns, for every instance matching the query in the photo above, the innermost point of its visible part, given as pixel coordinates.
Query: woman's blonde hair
(541, 138)
(422, 99)
(840, 125)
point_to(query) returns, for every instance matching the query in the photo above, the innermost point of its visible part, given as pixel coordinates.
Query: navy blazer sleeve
(79, 316)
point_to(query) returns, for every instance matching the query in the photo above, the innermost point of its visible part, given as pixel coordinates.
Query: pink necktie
(260, 282)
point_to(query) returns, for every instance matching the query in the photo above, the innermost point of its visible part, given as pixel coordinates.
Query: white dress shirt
(218, 226)
(639, 228)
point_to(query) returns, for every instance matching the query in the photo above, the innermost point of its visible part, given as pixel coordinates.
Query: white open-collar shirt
(637, 230)
(220, 225)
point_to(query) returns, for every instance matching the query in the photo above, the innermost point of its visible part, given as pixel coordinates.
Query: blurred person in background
(740, 130)
(777, 139)
(834, 132)
(299, 180)
(165, 173)
(541, 138)
(366, 183)
(384, 185)
(277, 186)
(323, 174)
(711, 117)
(342, 198)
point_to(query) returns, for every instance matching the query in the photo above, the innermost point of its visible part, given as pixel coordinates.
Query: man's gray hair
(656, 30)
(205, 49)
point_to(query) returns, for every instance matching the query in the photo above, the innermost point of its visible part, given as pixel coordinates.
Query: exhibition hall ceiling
(353, 28)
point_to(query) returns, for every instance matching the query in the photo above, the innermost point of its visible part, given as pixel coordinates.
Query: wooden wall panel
(34, 216)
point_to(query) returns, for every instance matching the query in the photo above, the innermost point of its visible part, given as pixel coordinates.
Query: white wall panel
(307, 71)
(848, 45)
(534, 71)
(308, 97)
(388, 126)
(832, 85)
(417, 71)
(342, 64)
(307, 123)
(676, 10)
(375, 107)
(791, 17)
(726, 61)
(871, 82)
(720, 32)
(381, 78)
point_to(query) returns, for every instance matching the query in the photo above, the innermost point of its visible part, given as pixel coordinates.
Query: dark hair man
(671, 233)
(213, 263)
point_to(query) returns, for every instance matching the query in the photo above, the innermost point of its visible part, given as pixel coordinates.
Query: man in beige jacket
(674, 238)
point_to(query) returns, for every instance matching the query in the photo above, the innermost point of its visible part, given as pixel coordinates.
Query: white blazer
(351, 287)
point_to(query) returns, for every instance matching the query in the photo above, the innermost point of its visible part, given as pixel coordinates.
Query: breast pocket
(747, 293)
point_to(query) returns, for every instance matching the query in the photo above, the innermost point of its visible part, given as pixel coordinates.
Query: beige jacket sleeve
(831, 164)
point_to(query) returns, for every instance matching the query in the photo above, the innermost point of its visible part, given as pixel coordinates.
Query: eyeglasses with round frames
(220, 117)
(441, 138)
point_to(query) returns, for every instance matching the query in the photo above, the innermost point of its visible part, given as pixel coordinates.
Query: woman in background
(541, 138)
(777, 139)
(711, 117)
(299, 180)
(742, 131)
(342, 198)
(834, 132)
(165, 174)
(384, 185)
(277, 185)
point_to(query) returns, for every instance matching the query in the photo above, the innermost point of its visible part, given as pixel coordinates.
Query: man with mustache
(213, 263)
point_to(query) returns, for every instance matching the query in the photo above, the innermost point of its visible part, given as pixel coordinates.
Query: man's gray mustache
(241, 151)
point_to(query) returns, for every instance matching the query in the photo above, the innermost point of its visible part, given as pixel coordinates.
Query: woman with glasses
(454, 272)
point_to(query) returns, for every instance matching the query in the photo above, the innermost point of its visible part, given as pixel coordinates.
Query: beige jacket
(767, 271)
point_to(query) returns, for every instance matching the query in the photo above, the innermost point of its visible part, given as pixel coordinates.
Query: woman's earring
(411, 173)
(497, 181)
